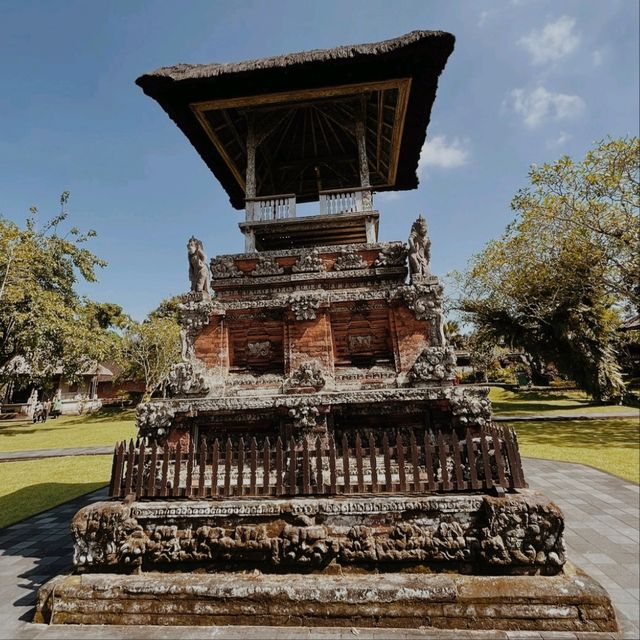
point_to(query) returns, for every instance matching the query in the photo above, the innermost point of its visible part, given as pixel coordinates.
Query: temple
(313, 424)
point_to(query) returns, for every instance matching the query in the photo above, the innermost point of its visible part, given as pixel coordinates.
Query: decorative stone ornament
(198, 270)
(434, 364)
(305, 416)
(225, 267)
(348, 260)
(304, 307)
(471, 409)
(394, 255)
(187, 378)
(307, 375)
(154, 418)
(309, 262)
(262, 349)
(419, 250)
(267, 267)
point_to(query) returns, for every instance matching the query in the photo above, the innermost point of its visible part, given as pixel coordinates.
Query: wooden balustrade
(427, 465)
(277, 207)
(345, 201)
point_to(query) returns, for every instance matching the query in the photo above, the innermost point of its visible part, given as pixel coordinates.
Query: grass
(610, 445)
(550, 402)
(98, 429)
(29, 487)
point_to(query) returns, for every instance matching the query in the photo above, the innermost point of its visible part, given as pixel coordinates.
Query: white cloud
(560, 140)
(597, 58)
(555, 40)
(437, 152)
(483, 18)
(539, 105)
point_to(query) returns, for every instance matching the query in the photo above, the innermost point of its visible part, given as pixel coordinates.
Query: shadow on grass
(542, 407)
(104, 415)
(42, 544)
(620, 433)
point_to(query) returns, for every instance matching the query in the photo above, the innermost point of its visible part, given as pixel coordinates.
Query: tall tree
(556, 280)
(42, 318)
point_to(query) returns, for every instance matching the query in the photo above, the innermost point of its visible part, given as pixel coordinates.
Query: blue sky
(529, 81)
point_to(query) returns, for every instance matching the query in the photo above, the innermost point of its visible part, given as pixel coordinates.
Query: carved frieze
(520, 533)
(225, 267)
(393, 255)
(309, 262)
(304, 307)
(307, 375)
(348, 260)
(434, 364)
(267, 267)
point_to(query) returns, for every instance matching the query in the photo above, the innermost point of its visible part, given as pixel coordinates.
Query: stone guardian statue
(419, 250)
(198, 268)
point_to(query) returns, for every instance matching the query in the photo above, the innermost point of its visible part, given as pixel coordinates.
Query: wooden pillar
(364, 165)
(250, 180)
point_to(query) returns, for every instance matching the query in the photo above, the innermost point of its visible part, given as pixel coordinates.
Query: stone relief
(305, 416)
(515, 534)
(261, 349)
(304, 307)
(358, 344)
(434, 364)
(309, 262)
(349, 260)
(419, 250)
(267, 267)
(154, 418)
(394, 255)
(188, 378)
(471, 409)
(308, 374)
(198, 269)
(225, 267)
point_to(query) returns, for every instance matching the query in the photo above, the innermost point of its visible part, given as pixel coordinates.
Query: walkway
(602, 537)
(36, 454)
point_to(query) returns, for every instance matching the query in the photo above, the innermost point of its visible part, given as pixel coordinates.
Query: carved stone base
(570, 601)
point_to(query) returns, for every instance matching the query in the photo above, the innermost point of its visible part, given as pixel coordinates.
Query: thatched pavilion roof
(395, 81)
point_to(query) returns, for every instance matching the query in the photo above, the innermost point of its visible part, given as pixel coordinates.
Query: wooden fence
(440, 463)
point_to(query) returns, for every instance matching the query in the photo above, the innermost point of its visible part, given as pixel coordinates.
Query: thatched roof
(419, 56)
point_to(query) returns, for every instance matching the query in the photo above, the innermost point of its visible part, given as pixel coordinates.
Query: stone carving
(425, 300)
(188, 378)
(194, 316)
(358, 344)
(309, 262)
(262, 349)
(305, 416)
(304, 307)
(419, 250)
(154, 418)
(349, 260)
(198, 270)
(225, 267)
(516, 534)
(394, 255)
(434, 363)
(471, 409)
(309, 375)
(267, 267)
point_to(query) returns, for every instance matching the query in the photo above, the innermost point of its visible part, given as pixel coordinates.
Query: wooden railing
(345, 201)
(277, 207)
(434, 464)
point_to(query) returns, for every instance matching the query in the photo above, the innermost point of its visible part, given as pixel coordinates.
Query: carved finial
(198, 269)
(419, 249)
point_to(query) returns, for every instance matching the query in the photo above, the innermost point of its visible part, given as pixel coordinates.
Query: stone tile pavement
(602, 537)
(53, 453)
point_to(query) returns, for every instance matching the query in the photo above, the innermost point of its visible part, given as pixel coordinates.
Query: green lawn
(29, 487)
(610, 445)
(97, 429)
(547, 402)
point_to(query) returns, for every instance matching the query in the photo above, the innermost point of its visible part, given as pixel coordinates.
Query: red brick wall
(309, 340)
(211, 344)
(410, 337)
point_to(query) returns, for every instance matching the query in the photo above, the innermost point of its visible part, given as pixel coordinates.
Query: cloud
(560, 140)
(597, 57)
(437, 152)
(483, 18)
(539, 105)
(555, 40)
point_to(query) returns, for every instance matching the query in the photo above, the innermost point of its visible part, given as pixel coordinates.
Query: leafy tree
(554, 282)
(42, 318)
(453, 335)
(149, 349)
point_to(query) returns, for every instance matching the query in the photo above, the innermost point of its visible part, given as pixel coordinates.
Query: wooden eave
(210, 103)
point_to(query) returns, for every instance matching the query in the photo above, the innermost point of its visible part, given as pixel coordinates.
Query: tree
(556, 280)
(42, 318)
(149, 349)
(453, 335)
